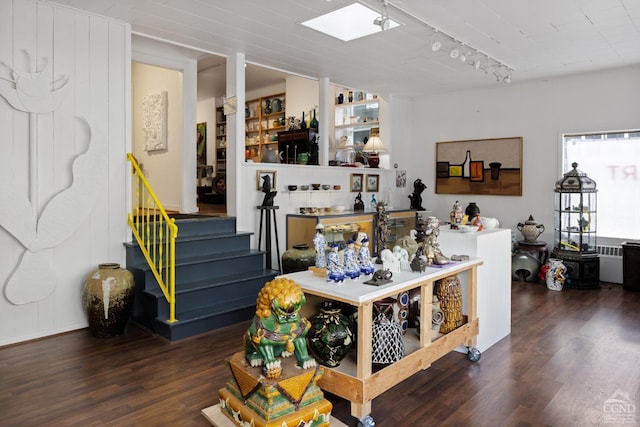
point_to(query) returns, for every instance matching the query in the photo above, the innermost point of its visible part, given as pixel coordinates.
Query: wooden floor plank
(568, 352)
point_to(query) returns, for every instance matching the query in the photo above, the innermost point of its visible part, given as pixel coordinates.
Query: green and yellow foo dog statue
(268, 388)
(277, 330)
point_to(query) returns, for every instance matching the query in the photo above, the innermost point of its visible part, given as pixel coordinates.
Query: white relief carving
(154, 121)
(33, 278)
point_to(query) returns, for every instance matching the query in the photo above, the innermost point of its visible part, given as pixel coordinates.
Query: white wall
(93, 53)
(539, 112)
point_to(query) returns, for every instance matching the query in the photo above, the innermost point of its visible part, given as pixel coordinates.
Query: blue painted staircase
(218, 277)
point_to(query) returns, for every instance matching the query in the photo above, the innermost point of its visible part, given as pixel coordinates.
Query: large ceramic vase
(556, 274)
(330, 337)
(298, 258)
(107, 298)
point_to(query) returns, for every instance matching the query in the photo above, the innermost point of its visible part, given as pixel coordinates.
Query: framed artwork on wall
(373, 183)
(356, 182)
(201, 143)
(264, 174)
(480, 166)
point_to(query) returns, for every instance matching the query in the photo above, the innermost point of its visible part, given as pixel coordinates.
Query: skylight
(350, 22)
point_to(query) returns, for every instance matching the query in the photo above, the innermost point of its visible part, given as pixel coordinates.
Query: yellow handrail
(156, 235)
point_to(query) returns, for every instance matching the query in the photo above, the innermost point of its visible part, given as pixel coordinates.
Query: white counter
(494, 277)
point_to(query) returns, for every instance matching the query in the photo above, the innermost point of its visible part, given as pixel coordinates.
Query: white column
(325, 102)
(235, 138)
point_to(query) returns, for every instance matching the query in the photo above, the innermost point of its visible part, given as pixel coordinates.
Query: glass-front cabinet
(338, 228)
(575, 226)
(356, 120)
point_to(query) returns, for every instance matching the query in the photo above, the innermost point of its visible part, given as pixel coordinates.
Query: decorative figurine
(320, 244)
(351, 267)
(358, 205)
(266, 189)
(456, 215)
(335, 271)
(382, 228)
(277, 330)
(416, 197)
(403, 256)
(390, 261)
(364, 257)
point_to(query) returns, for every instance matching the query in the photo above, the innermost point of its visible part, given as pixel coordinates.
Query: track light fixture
(459, 49)
(382, 21)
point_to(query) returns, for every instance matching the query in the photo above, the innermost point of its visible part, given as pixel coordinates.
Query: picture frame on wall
(356, 182)
(272, 179)
(480, 166)
(373, 181)
(201, 143)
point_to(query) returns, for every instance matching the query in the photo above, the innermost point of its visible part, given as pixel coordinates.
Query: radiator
(610, 263)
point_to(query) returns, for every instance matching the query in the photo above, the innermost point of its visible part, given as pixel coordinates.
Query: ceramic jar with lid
(530, 230)
(299, 258)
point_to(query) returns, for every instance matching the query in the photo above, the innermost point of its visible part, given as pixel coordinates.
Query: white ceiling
(539, 39)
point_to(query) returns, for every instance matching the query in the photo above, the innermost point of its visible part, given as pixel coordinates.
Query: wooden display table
(356, 382)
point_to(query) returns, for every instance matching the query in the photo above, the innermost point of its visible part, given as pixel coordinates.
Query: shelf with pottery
(355, 380)
(265, 116)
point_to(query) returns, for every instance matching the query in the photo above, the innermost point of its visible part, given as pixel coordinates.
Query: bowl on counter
(326, 186)
(316, 186)
(292, 187)
(336, 187)
(337, 208)
(468, 228)
(304, 187)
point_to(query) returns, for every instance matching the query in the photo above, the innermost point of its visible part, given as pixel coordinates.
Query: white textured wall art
(154, 121)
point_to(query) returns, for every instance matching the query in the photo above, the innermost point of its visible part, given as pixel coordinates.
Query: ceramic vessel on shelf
(304, 187)
(472, 210)
(326, 186)
(292, 187)
(270, 156)
(530, 230)
(316, 186)
(303, 158)
(330, 337)
(276, 105)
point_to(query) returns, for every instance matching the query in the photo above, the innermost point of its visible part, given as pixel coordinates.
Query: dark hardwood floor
(568, 353)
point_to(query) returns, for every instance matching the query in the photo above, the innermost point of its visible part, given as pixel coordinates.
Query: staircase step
(194, 295)
(203, 320)
(210, 267)
(193, 246)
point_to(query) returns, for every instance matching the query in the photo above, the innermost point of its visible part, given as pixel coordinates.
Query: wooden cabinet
(354, 378)
(293, 142)
(337, 228)
(341, 227)
(265, 119)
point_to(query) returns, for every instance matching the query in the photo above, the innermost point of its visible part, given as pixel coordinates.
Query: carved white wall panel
(154, 125)
(63, 172)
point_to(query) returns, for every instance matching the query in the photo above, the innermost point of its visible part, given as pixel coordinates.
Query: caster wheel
(473, 354)
(366, 422)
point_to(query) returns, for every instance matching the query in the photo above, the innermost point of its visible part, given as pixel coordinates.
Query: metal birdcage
(575, 228)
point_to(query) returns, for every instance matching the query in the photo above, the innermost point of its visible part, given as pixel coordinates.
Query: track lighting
(382, 21)
(459, 49)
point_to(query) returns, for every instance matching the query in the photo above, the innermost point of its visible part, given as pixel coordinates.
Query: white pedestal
(494, 278)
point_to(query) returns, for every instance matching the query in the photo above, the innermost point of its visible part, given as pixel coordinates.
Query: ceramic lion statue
(277, 330)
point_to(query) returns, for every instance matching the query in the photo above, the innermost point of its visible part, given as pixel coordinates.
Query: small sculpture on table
(416, 197)
(358, 204)
(320, 244)
(364, 258)
(335, 270)
(455, 216)
(266, 189)
(351, 267)
(382, 228)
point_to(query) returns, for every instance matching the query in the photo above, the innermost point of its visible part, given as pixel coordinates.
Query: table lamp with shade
(373, 146)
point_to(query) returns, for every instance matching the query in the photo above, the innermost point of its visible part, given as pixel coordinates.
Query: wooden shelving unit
(355, 380)
(262, 127)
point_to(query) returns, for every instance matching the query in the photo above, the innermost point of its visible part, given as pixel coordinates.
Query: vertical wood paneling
(94, 52)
